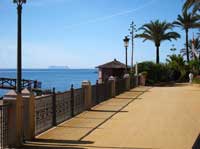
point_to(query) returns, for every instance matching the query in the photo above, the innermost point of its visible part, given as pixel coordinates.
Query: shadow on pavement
(196, 144)
(107, 111)
(124, 97)
(69, 144)
(112, 147)
(63, 141)
(171, 84)
(55, 144)
(136, 91)
(47, 147)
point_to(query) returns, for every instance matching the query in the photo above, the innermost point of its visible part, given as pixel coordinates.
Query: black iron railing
(55, 108)
(133, 82)
(120, 86)
(94, 95)
(78, 101)
(63, 106)
(43, 113)
(10, 83)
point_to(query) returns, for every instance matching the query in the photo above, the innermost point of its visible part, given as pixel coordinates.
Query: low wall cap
(126, 75)
(26, 92)
(86, 82)
(111, 78)
(10, 95)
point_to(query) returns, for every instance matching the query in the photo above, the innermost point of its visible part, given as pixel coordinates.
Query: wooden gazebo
(114, 68)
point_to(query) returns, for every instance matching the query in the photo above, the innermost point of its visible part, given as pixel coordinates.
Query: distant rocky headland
(58, 67)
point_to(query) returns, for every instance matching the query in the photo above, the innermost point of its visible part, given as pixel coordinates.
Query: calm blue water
(60, 79)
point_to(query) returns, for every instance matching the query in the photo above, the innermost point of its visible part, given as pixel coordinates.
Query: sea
(61, 79)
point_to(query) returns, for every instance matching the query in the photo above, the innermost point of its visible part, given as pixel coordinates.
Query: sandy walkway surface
(143, 118)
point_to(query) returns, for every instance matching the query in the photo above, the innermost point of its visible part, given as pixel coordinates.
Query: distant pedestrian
(191, 77)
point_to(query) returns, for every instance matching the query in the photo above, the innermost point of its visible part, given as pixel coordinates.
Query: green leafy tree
(187, 21)
(177, 65)
(194, 66)
(157, 32)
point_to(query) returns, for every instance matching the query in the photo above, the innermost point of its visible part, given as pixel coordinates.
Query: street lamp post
(19, 43)
(132, 30)
(126, 42)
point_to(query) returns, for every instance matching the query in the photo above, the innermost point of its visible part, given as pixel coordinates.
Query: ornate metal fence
(94, 95)
(101, 92)
(78, 101)
(120, 86)
(3, 125)
(63, 106)
(53, 109)
(133, 82)
(107, 90)
(43, 113)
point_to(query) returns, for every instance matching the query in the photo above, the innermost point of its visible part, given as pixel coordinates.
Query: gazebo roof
(113, 65)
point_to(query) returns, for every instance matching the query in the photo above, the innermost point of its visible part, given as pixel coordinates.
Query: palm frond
(171, 35)
(144, 36)
(195, 4)
(188, 4)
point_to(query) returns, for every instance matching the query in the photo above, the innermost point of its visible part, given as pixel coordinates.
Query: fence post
(86, 86)
(15, 133)
(72, 100)
(29, 114)
(54, 107)
(127, 82)
(113, 90)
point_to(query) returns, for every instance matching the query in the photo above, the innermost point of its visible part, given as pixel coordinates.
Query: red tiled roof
(113, 64)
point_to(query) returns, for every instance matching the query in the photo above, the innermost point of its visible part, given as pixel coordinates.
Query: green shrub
(196, 80)
(174, 70)
(177, 67)
(144, 73)
(194, 66)
(155, 72)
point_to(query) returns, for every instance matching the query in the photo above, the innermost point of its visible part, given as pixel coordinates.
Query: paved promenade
(143, 118)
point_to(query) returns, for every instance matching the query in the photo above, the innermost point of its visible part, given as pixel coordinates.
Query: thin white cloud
(108, 17)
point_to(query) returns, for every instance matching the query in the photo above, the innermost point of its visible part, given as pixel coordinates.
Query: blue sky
(81, 33)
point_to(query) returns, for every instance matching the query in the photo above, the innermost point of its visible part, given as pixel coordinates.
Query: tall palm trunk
(157, 55)
(187, 46)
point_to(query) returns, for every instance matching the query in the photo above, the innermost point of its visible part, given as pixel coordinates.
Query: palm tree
(196, 42)
(157, 32)
(192, 3)
(187, 21)
(176, 60)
